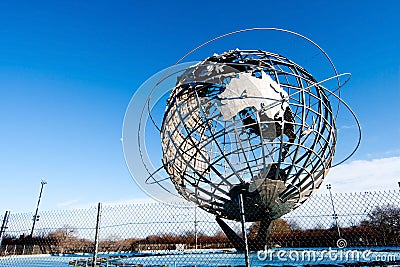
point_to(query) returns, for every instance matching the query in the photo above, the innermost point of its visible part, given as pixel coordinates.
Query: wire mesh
(174, 235)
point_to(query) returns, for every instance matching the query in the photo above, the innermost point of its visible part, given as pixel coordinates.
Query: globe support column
(243, 221)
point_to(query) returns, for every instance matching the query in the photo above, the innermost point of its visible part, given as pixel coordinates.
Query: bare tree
(386, 221)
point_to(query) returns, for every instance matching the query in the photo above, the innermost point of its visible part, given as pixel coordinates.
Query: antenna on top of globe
(247, 133)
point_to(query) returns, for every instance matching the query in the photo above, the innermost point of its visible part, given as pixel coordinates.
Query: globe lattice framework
(248, 122)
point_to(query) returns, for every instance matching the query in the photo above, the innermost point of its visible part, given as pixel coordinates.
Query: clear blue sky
(69, 68)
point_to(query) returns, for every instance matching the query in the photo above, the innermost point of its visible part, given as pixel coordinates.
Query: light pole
(341, 242)
(36, 217)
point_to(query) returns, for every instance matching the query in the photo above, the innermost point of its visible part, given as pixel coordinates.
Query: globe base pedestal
(238, 242)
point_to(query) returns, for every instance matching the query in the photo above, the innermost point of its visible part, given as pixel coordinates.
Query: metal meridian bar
(243, 220)
(96, 237)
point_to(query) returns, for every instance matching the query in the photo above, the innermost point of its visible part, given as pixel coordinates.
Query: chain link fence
(179, 235)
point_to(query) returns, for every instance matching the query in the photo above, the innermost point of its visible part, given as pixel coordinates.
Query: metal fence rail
(182, 235)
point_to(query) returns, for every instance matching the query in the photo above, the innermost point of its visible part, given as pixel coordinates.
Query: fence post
(195, 227)
(242, 218)
(96, 237)
(4, 225)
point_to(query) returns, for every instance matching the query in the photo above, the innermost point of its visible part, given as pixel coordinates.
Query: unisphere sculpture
(250, 124)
